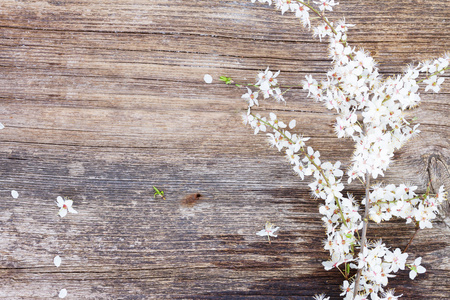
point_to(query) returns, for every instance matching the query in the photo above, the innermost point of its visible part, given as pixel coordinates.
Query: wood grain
(104, 99)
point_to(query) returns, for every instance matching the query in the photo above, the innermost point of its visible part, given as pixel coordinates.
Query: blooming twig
(370, 112)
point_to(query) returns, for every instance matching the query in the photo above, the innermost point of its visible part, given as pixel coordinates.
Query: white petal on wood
(57, 260)
(62, 293)
(207, 78)
(14, 194)
(292, 124)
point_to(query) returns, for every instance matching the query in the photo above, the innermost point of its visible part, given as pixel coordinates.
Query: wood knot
(191, 199)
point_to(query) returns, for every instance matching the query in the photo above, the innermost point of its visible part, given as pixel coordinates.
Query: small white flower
(65, 205)
(397, 259)
(416, 268)
(207, 78)
(326, 4)
(389, 295)
(62, 293)
(441, 195)
(433, 83)
(347, 288)
(14, 194)
(57, 260)
(251, 97)
(321, 297)
(258, 124)
(2, 126)
(312, 156)
(268, 230)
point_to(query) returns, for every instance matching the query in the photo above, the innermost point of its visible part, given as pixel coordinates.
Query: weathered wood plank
(104, 99)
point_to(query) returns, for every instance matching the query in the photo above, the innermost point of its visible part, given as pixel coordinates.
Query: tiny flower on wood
(65, 206)
(268, 231)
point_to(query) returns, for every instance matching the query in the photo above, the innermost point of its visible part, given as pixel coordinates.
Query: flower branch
(370, 111)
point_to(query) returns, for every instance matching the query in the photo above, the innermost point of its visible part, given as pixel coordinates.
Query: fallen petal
(207, 78)
(14, 194)
(62, 293)
(57, 260)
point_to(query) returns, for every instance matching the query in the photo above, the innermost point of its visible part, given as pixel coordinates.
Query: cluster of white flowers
(268, 85)
(370, 111)
(378, 263)
(402, 202)
(340, 213)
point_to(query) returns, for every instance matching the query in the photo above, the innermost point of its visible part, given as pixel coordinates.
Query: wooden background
(102, 99)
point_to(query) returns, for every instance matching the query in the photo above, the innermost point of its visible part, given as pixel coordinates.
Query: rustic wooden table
(103, 99)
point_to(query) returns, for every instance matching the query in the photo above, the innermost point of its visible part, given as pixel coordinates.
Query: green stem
(435, 73)
(364, 232)
(394, 201)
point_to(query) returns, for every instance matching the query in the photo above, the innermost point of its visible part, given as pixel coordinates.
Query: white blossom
(416, 268)
(65, 206)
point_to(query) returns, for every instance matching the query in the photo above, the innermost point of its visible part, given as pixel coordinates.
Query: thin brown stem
(364, 232)
(412, 238)
(321, 16)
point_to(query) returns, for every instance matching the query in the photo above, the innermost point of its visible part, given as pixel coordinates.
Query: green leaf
(225, 79)
(158, 192)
